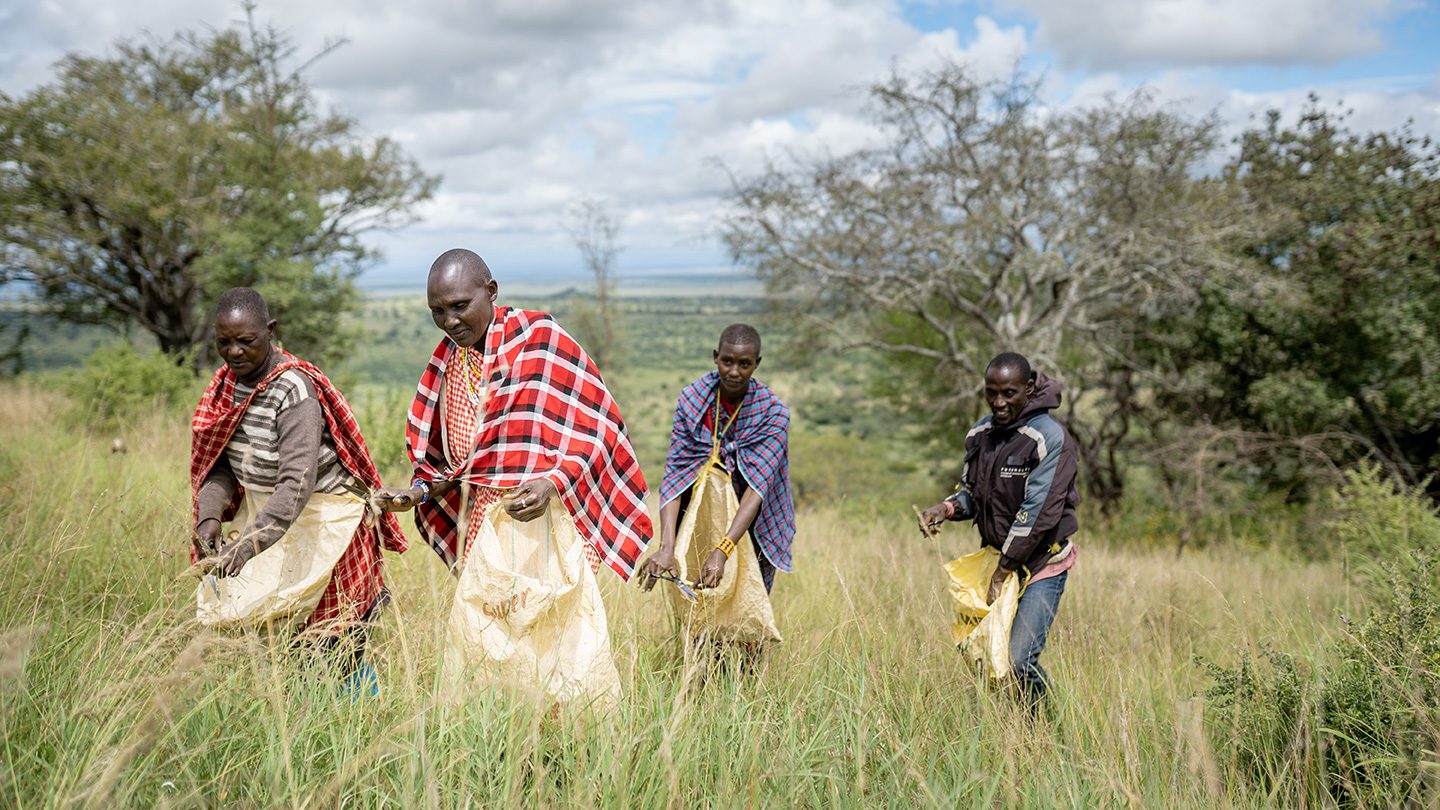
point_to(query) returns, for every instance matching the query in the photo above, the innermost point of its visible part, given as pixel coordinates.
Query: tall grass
(110, 695)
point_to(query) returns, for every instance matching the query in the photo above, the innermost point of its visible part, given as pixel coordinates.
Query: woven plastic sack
(738, 609)
(282, 584)
(528, 615)
(982, 630)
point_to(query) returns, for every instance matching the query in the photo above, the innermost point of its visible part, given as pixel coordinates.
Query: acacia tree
(988, 221)
(595, 233)
(137, 186)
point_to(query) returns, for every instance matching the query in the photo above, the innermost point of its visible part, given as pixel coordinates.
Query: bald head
(461, 294)
(458, 263)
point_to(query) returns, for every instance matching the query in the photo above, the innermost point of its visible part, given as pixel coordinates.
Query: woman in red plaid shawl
(276, 451)
(509, 401)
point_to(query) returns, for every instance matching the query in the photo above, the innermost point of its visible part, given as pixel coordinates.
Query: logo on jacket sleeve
(1022, 516)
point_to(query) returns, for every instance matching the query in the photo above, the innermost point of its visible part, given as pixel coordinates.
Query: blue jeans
(1036, 612)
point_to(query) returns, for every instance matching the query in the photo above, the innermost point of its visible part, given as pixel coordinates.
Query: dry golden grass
(110, 696)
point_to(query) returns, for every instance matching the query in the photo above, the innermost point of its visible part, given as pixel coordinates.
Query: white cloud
(1373, 106)
(526, 105)
(992, 55)
(1116, 34)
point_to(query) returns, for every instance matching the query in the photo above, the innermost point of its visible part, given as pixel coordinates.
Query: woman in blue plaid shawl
(754, 444)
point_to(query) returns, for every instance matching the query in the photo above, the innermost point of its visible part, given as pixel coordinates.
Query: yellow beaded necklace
(475, 370)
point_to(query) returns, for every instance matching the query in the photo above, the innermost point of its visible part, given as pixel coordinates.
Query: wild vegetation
(1248, 337)
(138, 186)
(1274, 319)
(110, 695)
(1288, 655)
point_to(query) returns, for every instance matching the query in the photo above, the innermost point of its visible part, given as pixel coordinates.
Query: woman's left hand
(530, 499)
(232, 559)
(713, 570)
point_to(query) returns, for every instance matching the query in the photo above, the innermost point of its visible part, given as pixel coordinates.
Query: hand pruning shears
(682, 585)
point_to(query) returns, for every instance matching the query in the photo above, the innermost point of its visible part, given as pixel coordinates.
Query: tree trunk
(1099, 444)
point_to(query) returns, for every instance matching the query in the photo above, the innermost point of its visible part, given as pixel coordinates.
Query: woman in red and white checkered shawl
(509, 403)
(276, 451)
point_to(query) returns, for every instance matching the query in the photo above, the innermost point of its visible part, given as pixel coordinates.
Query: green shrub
(1376, 527)
(1371, 732)
(834, 467)
(1253, 711)
(1381, 701)
(117, 384)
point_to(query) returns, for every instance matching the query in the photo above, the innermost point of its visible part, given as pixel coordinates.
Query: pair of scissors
(682, 585)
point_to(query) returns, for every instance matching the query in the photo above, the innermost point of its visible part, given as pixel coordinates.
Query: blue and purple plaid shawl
(758, 445)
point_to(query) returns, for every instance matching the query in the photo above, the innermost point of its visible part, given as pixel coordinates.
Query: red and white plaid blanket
(548, 414)
(356, 580)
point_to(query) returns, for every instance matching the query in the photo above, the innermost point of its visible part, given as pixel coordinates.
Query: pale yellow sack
(738, 609)
(982, 630)
(282, 584)
(527, 613)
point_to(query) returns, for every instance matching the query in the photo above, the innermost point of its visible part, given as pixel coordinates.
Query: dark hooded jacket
(1022, 479)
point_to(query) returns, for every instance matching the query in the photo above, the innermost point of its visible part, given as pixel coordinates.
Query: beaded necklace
(719, 432)
(475, 370)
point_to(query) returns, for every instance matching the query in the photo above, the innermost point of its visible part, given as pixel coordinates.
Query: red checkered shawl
(356, 580)
(548, 414)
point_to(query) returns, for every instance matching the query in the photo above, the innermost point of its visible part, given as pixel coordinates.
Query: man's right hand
(207, 538)
(393, 499)
(661, 562)
(933, 518)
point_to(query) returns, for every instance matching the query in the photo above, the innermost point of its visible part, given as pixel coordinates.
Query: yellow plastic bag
(528, 614)
(982, 630)
(738, 609)
(282, 584)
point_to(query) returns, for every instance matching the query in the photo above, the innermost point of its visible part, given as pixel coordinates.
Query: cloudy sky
(525, 106)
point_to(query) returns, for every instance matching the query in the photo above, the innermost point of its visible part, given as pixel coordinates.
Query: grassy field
(110, 695)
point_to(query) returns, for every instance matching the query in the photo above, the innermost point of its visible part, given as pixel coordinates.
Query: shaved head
(461, 295)
(1011, 360)
(462, 263)
(246, 300)
(741, 334)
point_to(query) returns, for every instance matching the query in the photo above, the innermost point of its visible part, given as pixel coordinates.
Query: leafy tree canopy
(1335, 331)
(138, 186)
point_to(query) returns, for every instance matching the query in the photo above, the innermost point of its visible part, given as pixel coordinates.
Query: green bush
(118, 384)
(1253, 711)
(1364, 729)
(1381, 701)
(833, 467)
(1376, 527)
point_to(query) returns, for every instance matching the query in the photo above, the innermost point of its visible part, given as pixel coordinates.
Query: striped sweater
(282, 446)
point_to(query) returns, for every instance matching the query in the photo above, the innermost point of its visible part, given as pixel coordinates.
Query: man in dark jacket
(1018, 485)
